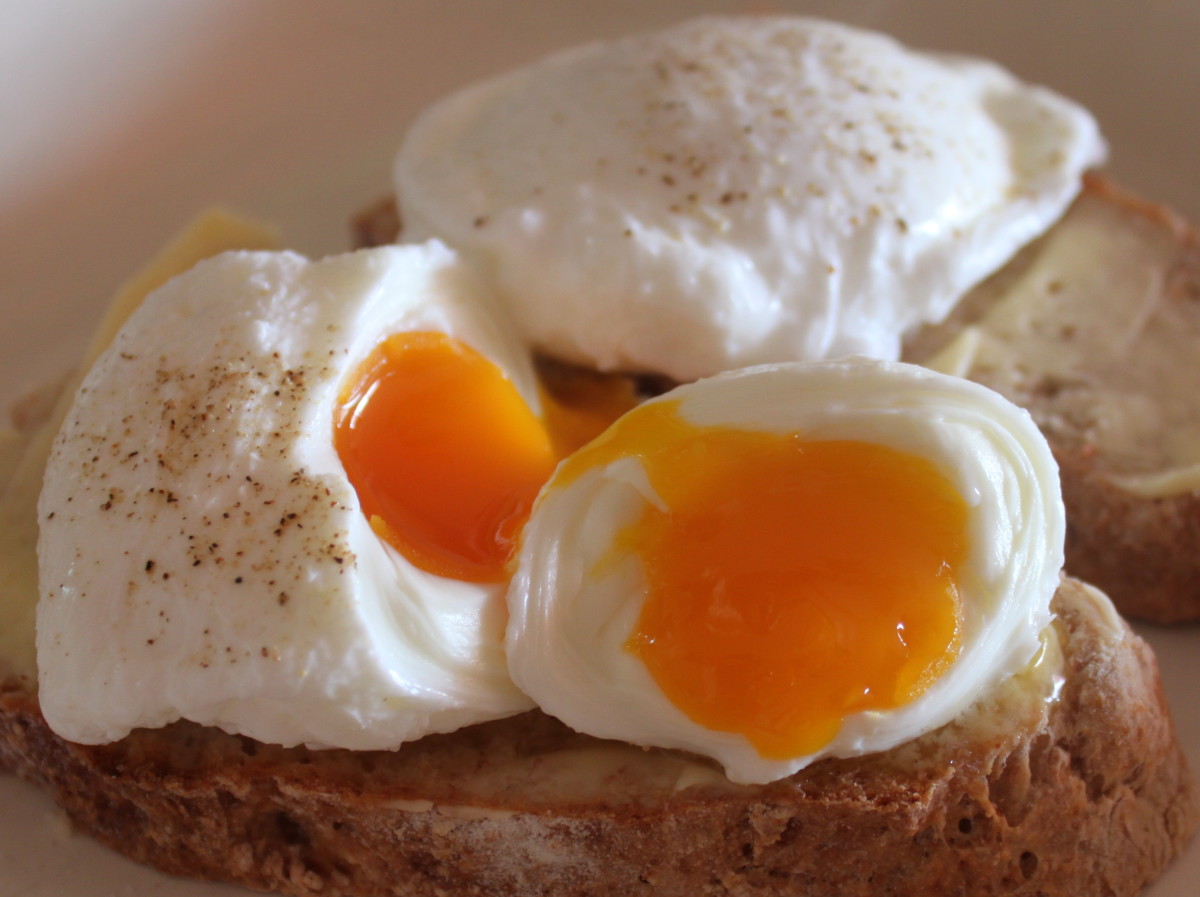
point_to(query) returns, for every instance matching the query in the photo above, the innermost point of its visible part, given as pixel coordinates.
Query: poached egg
(734, 191)
(225, 538)
(789, 562)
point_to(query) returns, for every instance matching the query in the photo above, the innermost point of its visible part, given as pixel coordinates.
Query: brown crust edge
(1099, 800)
(1145, 551)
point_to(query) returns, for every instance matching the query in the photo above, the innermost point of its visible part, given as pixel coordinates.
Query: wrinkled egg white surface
(569, 623)
(734, 191)
(202, 554)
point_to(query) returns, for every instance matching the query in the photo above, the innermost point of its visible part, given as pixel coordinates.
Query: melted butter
(1091, 333)
(12, 447)
(1163, 484)
(1011, 711)
(957, 357)
(608, 771)
(25, 454)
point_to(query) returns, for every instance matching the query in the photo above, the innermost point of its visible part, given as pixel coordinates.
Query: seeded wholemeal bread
(1094, 329)
(1067, 781)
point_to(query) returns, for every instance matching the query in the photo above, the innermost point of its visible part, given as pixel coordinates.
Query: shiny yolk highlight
(445, 455)
(790, 583)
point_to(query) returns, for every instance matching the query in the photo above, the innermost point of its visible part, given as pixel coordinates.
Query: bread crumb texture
(1093, 798)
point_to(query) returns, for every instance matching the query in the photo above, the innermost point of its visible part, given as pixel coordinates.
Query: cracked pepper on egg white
(202, 554)
(734, 191)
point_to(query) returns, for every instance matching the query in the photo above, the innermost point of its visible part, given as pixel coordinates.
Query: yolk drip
(447, 458)
(444, 453)
(580, 404)
(789, 582)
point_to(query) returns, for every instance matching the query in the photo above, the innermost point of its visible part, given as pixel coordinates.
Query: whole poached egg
(734, 191)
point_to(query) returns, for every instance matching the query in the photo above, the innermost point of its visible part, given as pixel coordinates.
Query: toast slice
(1066, 781)
(1094, 330)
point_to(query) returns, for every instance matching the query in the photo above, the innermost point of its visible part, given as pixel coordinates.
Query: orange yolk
(445, 455)
(789, 582)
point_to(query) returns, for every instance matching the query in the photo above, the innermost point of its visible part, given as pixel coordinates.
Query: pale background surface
(122, 119)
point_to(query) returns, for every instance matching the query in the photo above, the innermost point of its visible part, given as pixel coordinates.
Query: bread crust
(1096, 799)
(1146, 551)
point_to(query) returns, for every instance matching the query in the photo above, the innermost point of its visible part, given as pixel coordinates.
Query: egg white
(572, 607)
(734, 191)
(202, 555)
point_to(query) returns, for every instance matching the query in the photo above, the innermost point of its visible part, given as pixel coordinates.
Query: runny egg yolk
(446, 456)
(789, 583)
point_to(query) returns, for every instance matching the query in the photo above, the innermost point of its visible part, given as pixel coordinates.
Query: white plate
(123, 118)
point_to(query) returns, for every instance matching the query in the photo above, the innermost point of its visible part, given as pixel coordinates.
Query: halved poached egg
(283, 503)
(789, 562)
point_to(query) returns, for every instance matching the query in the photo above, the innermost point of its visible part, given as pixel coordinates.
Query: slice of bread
(1055, 785)
(1066, 781)
(1094, 329)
